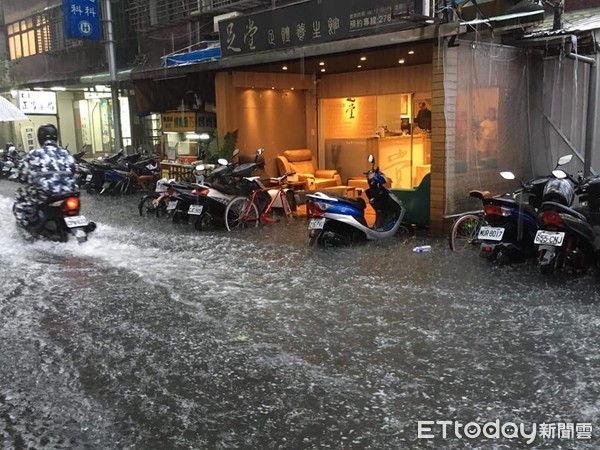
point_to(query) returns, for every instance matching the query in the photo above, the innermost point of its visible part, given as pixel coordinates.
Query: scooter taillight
(552, 218)
(202, 191)
(313, 209)
(70, 206)
(495, 210)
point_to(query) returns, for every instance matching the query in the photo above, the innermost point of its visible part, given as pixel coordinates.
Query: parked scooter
(341, 221)
(9, 160)
(569, 238)
(209, 197)
(512, 220)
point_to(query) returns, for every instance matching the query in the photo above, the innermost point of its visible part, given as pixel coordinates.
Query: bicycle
(464, 233)
(246, 212)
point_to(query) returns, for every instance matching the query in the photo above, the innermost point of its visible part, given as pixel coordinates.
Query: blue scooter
(341, 221)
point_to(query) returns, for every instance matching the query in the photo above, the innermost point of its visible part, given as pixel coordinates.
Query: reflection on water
(153, 335)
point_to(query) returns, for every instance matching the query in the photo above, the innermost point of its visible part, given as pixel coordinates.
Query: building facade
(291, 75)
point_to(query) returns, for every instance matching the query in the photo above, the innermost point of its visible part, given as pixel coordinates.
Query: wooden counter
(404, 159)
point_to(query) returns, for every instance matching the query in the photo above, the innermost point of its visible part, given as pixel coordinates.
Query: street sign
(82, 19)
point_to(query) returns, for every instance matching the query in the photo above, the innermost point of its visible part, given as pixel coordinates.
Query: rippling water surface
(154, 336)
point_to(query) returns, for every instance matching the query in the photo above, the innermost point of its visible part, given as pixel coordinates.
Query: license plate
(88, 177)
(172, 205)
(316, 224)
(76, 221)
(491, 233)
(554, 238)
(195, 210)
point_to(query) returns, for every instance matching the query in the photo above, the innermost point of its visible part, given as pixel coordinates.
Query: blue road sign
(82, 19)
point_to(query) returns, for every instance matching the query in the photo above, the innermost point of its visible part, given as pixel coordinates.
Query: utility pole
(112, 69)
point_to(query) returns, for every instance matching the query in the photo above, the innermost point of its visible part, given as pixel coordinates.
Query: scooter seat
(357, 203)
(479, 194)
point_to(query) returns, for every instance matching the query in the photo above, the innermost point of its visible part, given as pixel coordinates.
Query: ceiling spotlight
(284, 68)
(293, 89)
(359, 66)
(401, 61)
(272, 87)
(322, 70)
(411, 52)
(322, 63)
(363, 58)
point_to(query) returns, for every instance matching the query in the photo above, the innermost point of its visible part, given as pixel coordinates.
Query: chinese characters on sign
(82, 19)
(311, 23)
(178, 122)
(34, 102)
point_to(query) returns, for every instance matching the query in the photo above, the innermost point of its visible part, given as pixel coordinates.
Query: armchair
(416, 201)
(301, 162)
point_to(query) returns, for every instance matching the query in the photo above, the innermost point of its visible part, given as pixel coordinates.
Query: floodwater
(154, 336)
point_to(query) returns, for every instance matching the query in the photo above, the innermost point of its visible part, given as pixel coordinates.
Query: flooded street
(155, 336)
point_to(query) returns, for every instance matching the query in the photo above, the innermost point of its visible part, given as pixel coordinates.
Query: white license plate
(76, 221)
(317, 223)
(172, 205)
(88, 177)
(195, 210)
(491, 233)
(554, 238)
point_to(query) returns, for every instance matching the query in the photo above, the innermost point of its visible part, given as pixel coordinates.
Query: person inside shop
(47, 171)
(488, 134)
(423, 118)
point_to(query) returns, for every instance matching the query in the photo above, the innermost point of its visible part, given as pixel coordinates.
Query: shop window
(40, 33)
(383, 125)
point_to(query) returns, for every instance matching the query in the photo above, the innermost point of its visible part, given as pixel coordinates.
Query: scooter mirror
(235, 152)
(199, 168)
(559, 173)
(371, 159)
(222, 161)
(260, 151)
(507, 175)
(564, 160)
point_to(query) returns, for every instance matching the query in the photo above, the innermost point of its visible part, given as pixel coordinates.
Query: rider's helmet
(47, 132)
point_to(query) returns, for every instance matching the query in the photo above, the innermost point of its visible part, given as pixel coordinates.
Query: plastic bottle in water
(422, 249)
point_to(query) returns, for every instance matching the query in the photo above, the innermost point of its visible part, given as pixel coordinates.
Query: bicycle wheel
(241, 212)
(150, 205)
(464, 232)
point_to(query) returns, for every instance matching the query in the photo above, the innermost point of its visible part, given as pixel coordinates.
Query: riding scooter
(59, 218)
(341, 221)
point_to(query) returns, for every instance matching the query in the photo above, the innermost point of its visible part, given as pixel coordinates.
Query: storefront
(342, 98)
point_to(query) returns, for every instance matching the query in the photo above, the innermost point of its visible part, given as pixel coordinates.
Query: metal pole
(591, 113)
(112, 68)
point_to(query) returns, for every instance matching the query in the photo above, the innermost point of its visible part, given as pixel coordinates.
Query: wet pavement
(154, 336)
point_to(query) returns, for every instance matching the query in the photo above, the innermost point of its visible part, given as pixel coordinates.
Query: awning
(574, 22)
(104, 77)
(211, 51)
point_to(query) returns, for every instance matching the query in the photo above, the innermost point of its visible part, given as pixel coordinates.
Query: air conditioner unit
(220, 17)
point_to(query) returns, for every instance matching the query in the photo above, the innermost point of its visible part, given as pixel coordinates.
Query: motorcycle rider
(49, 170)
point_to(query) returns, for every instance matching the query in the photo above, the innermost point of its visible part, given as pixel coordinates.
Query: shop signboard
(313, 22)
(37, 102)
(82, 19)
(178, 122)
